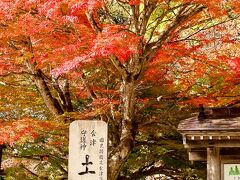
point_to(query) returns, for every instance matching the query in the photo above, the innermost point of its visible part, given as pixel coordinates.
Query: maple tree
(109, 51)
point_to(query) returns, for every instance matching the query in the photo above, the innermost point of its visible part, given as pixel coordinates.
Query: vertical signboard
(87, 150)
(231, 171)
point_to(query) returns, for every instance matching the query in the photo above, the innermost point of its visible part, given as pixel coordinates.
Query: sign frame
(227, 160)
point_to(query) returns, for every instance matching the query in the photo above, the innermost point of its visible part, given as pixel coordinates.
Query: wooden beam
(197, 155)
(211, 133)
(212, 143)
(184, 139)
(210, 137)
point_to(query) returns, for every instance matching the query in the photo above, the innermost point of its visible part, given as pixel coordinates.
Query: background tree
(173, 44)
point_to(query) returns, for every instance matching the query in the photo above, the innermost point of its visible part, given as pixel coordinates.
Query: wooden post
(1, 147)
(1, 151)
(213, 164)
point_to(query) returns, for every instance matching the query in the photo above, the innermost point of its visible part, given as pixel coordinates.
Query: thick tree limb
(52, 103)
(64, 95)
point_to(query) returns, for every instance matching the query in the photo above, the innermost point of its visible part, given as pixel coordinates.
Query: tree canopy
(134, 64)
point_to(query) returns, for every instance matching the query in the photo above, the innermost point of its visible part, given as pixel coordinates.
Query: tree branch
(122, 71)
(152, 48)
(28, 170)
(93, 22)
(91, 92)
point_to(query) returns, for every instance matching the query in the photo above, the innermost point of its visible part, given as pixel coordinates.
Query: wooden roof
(213, 119)
(193, 124)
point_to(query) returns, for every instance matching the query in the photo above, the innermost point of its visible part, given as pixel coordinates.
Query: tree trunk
(52, 103)
(67, 96)
(120, 154)
(63, 94)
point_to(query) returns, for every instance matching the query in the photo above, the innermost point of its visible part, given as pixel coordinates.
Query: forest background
(139, 65)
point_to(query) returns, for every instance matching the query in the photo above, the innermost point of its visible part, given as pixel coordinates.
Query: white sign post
(87, 150)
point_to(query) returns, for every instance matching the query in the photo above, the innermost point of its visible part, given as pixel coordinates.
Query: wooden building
(214, 136)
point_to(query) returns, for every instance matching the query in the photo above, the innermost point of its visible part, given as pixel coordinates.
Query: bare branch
(28, 170)
(152, 48)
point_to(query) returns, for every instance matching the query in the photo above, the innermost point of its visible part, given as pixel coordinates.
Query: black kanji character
(86, 164)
